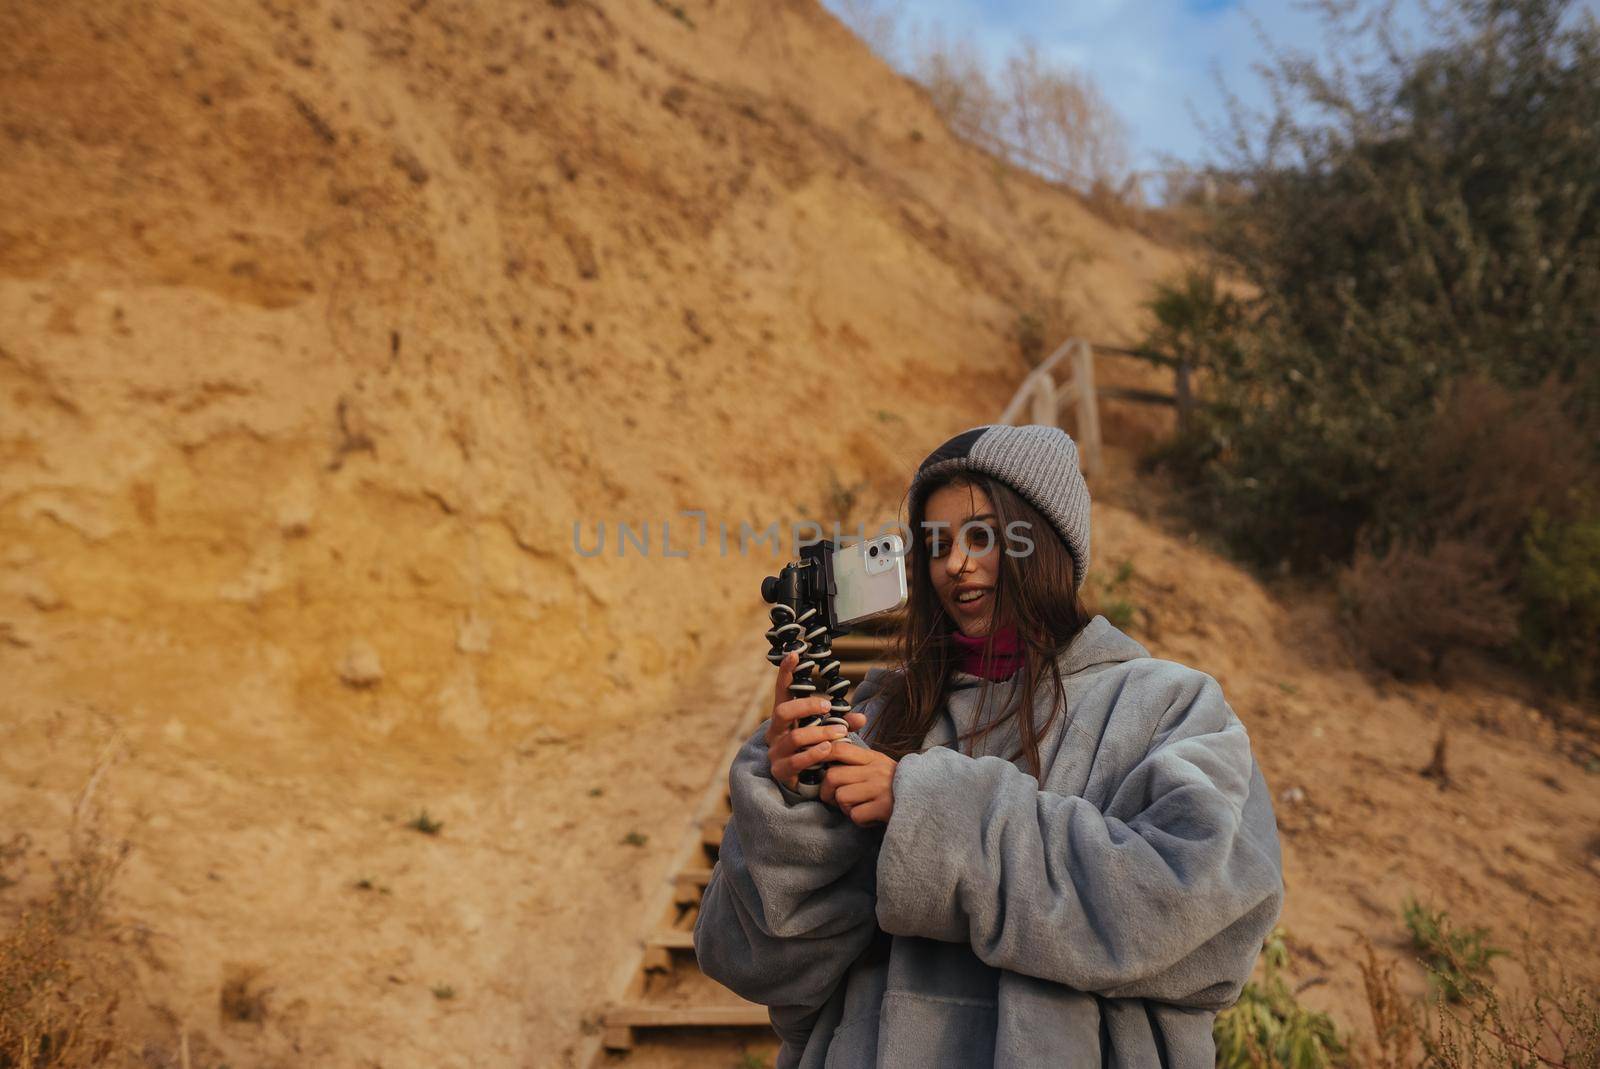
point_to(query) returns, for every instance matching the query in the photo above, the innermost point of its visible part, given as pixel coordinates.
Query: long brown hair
(1034, 591)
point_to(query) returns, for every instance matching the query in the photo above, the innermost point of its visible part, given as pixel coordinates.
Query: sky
(1155, 60)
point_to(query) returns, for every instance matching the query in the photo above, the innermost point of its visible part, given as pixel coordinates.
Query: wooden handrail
(1045, 393)
(1044, 398)
(1143, 354)
(1133, 393)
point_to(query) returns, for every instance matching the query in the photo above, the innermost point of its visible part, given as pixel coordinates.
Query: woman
(1083, 878)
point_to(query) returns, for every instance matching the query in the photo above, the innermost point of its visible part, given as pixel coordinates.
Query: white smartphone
(869, 578)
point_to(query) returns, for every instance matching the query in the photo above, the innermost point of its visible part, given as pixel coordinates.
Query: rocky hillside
(323, 323)
(321, 326)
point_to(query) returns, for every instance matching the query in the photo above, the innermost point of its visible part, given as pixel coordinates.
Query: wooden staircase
(665, 992)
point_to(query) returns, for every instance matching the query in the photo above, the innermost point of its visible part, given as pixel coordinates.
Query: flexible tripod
(803, 621)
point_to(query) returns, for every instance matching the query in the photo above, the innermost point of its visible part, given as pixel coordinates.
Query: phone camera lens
(872, 551)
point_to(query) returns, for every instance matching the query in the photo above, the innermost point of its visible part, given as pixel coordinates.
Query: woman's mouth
(971, 600)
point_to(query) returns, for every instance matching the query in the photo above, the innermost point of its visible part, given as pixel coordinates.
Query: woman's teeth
(969, 596)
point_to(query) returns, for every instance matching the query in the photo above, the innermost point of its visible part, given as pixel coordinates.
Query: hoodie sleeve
(790, 904)
(1165, 895)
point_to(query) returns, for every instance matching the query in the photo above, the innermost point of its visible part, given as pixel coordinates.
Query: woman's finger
(780, 691)
(842, 774)
(857, 721)
(852, 754)
(788, 712)
(780, 686)
(780, 747)
(856, 793)
(874, 812)
(804, 759)
(802, 737)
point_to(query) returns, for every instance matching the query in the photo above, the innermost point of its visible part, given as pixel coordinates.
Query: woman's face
(961, 533)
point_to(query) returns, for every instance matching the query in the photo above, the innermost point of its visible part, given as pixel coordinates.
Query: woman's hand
(861, 783)
(790, 749)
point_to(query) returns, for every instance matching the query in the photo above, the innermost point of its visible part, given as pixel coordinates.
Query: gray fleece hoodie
(1100, 917)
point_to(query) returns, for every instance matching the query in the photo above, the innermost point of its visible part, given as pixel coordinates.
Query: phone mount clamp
(803, 622)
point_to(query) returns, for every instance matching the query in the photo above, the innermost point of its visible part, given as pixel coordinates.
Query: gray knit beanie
(1040, 463)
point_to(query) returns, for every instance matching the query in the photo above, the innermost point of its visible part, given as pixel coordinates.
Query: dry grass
(1029, 111)
(1556, 1025)
(1438, 570)
(60, 970)
(1411, 606)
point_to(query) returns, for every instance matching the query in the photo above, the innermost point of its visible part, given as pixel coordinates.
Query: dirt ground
(1511, 841)
(527, 900)
(325, 328)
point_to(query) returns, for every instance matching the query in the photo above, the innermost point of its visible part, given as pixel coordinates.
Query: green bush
(1435, 216)
(1458, 959)
(1561, 599)
(1410, 228)
(1269, 1029)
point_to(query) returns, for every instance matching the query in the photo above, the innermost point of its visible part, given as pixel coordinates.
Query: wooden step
(878, 626)
(689, 885)
(673, 939)
(658, 950)
(621, 1021)
(663, 988)
(856, 645)
(856, 671)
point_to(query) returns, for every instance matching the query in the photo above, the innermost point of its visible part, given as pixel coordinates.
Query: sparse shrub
(634, 838)
(1556, 1025)
(1028, 111)
(61, 981)
(1561, 599)
(425, 824)
(878, 24)
(1055, 119)
(1410, 606)
(1486, 462)
(842, 499)
(242, 996)
(677, 12)
(11, 855)
(1110, 597)
(1119, 611)
(1394, 1020)
(1458, 959)
(1268, 1028)
(443, 992)
(1440, 562)
(1030, 338)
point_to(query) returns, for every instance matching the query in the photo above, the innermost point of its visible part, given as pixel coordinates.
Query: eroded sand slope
(320, 326)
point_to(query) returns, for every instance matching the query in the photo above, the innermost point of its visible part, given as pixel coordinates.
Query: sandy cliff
(321, 324)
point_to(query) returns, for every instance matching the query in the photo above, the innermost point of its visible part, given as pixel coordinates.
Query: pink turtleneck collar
(1005, 659)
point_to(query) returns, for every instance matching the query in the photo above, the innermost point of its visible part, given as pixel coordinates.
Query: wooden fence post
(1043, 406)
(1181, 393)
(1088, 410)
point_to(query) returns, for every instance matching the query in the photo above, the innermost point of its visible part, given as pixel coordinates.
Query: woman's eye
(935, 547)
(979, 539)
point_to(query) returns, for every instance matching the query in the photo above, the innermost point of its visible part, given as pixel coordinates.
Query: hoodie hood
(1100, 642)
